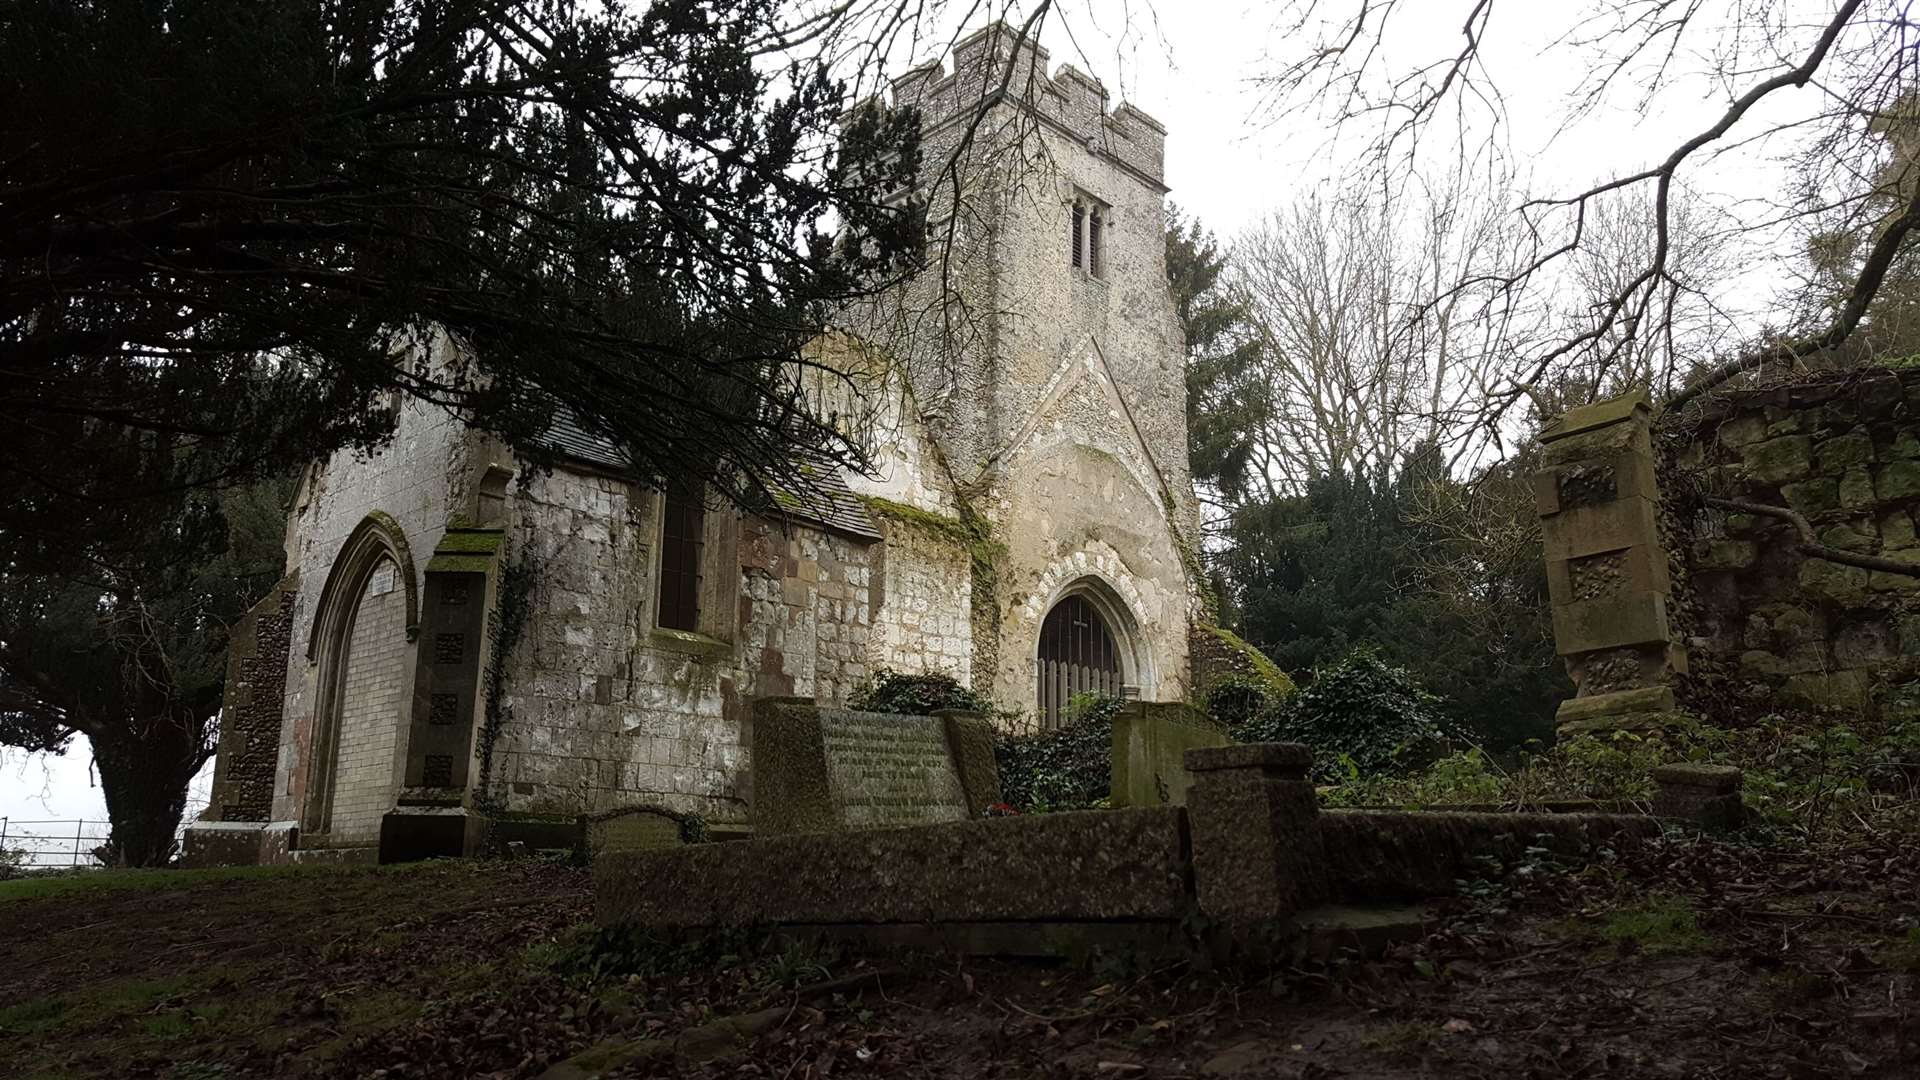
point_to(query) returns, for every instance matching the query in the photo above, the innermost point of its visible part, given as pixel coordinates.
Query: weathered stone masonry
(1843, 449)
(1045, 462)
(1657, 589)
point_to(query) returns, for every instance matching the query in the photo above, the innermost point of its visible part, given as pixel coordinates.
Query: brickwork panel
(370, 700)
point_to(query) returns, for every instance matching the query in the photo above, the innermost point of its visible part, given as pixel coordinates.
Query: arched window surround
(377, 539)
(1136, 662)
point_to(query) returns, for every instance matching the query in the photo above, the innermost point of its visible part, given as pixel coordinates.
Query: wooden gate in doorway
(1077, 656)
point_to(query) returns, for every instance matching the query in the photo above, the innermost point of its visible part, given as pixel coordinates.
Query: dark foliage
(1213, 323)
(1361, 716)
(914, 695)
(133, 655)
(1238, 703)
(1311, 577)
(225, 229)
(1068, 768)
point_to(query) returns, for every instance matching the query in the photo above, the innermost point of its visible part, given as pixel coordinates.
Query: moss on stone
(1261, 666)
(974, 534)
(471, 541)
(1779, 460)
(951, 528)
(1190, 559)
(459, 564)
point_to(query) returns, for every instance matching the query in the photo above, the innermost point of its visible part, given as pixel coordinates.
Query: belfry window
(1095, 257)
(681, 533)
(1087, 235)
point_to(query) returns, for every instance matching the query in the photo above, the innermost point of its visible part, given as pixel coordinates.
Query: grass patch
(32, 1017)
(1903, 954)
(1406, 1037)
(167, 1026)
(1662, 927)
(94, 882)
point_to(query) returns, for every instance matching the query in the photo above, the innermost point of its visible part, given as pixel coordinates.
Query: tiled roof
(829, 504)
(574, 441)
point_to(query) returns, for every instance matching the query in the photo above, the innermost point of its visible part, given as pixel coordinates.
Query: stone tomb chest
(824, 770)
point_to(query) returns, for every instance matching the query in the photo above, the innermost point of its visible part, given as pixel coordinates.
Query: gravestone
(1150, 743)
(637, 828)
(825, 769)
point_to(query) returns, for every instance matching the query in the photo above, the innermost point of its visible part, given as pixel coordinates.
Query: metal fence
(39, 844)
(64, 841)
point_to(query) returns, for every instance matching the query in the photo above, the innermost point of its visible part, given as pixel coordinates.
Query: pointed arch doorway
(1083, 649)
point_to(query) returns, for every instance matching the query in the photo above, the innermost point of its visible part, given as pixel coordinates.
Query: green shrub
(1068, 768)
(1362, 716)
(1466, 777)
(1239, 702)
(914, 695)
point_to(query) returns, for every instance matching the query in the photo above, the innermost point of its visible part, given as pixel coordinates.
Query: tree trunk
(144, 772)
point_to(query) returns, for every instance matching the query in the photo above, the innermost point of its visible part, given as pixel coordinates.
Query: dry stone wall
(1842, 449)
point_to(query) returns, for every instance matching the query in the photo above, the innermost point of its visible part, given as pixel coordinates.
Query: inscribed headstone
(822, 770)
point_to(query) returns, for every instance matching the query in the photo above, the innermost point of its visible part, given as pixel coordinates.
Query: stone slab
(1610, 622)
(1597, 415)
(340, 856)
(1718, 779)
(1645, 699)
(1288, 758)
(825, 769)
(642, 828)
(238, 843)
(1100, 864)
(1150, 741)
(1592, 530)
(970, 741)
(221, 843)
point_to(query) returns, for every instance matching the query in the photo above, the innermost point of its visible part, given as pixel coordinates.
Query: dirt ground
(1684, 958)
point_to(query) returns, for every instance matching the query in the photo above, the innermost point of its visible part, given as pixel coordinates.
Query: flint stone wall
(1843, 449)
(252, 707)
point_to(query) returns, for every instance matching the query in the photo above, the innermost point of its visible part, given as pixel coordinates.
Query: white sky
(1190, 65)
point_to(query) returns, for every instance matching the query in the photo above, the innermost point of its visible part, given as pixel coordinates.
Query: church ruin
(462, 638)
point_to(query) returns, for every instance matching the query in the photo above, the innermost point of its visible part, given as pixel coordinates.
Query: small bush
(1362, 717)
(1239, 702)
(1069, 768)
(914, 695)
(1466, 777)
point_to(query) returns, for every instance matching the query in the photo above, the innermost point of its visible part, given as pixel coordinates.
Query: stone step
(1364, 929)
(339, 856)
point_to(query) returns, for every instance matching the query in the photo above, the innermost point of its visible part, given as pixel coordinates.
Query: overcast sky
(1193, 65)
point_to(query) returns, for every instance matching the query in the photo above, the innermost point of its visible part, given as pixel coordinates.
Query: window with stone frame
(1090, 222)
(682, 537)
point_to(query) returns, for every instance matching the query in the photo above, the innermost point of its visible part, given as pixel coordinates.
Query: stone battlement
(996, 56)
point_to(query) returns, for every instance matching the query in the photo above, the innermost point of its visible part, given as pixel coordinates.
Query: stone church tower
(465, 646)
(1059, 417)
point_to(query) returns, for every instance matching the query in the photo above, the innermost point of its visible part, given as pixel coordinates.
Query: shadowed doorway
(1078, 655)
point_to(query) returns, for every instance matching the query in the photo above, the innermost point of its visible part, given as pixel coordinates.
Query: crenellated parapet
(995, 63)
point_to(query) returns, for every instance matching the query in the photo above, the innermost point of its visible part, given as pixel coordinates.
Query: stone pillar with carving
(1607, 568)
